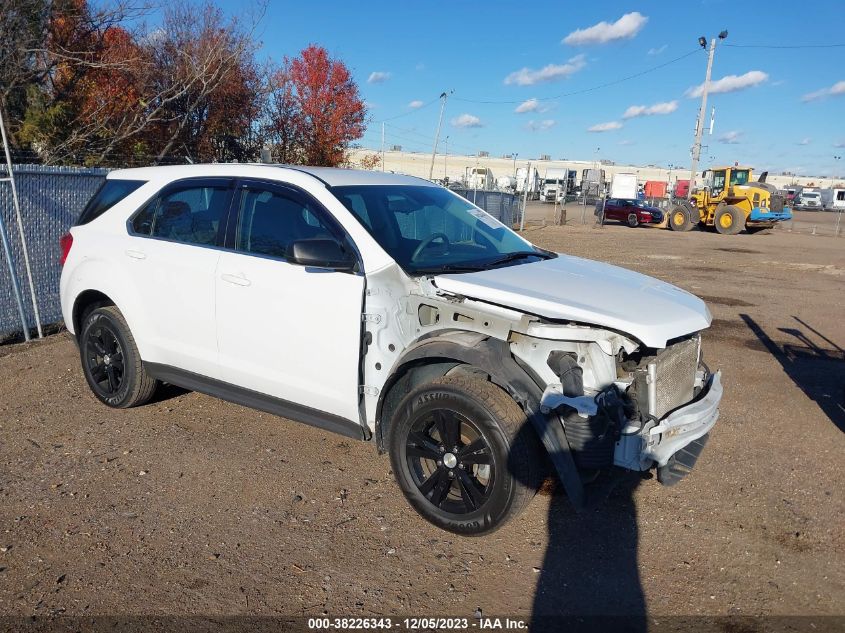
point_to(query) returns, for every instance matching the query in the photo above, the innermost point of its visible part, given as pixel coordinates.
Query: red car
(632, 212)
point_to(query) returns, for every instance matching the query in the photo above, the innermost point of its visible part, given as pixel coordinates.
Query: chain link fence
(503, 206)
(51, 199)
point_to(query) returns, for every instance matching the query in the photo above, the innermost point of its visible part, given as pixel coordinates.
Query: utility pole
(443, 96)
(702, 112)
(382, 145)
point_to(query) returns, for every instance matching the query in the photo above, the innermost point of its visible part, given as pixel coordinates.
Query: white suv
(387, 308)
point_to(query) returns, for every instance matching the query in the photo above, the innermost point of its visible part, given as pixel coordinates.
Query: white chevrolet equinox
(387, 308)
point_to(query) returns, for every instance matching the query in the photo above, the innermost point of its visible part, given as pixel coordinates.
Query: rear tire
(729, 220)
(680, 218)
(111, 362)
(464, 454)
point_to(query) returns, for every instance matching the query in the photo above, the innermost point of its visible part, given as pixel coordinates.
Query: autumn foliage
(315, 109)
(99, 92)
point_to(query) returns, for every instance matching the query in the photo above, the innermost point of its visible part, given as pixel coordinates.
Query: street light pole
(443, 96)
(699, 124)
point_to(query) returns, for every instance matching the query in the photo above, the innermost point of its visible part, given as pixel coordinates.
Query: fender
(494, 356)
(110, 283)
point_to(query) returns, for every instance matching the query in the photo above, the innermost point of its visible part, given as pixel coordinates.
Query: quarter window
(110, 193)
(269, 222)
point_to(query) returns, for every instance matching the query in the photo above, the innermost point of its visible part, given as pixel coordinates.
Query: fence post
(20, 229)
(525, 199)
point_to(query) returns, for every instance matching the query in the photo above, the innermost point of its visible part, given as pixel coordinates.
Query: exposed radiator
(671, 376)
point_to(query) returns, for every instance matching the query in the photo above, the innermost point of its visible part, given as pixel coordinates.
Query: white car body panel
(585, 291)
(175, 283)
(289, 331)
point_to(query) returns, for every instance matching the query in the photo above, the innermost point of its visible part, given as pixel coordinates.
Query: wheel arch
(85, 302)
(479, 352)
(438, 355)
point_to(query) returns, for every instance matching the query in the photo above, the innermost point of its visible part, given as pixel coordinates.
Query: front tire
(464, 454)
(729, 220)
(111, 362)
(680, 218)
(633, 221)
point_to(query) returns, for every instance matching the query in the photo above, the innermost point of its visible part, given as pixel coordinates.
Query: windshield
(739, 177)
(431, 230)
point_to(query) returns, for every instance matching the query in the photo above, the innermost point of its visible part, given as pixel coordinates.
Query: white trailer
(592, 182)
(837, 202)
(506, 183)
(529, 180)
(624, 186)
(553, 182)
(480, 178)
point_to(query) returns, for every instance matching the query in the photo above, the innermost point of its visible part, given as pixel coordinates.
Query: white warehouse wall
(455, 166)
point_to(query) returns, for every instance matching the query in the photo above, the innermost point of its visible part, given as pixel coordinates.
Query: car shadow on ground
(817, 369)
(589, 578)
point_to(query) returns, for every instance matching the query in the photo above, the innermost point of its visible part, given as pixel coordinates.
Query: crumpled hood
(575, 289)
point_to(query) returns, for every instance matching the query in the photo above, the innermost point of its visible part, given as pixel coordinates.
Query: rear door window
(109, 194)
(190, 215)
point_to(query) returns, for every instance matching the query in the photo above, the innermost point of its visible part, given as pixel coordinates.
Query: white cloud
(626, 142)
(416, 103)
(839, 144)
(836, 89)
(665, 107)
(467, 120)
(805, 141)
(730, 138)
(420, 66)
(531, 105)
(625, 27)
(605, 127)
(658, 50)
(377, 77)
(552, 72)
(540, 126)
(730, 83)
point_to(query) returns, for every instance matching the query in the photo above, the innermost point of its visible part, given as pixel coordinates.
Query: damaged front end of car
(628, 406)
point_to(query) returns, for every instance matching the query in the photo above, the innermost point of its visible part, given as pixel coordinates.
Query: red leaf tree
(315, 110)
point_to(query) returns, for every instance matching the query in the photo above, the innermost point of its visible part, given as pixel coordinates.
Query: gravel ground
(191, 505)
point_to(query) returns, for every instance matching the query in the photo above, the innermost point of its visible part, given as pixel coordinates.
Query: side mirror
(321, 253)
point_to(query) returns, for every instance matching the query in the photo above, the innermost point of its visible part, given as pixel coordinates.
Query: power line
(427, 138)
(585, 90)
(422, 107)
(785, 45)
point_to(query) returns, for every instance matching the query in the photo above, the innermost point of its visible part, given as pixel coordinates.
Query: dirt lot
(194, 506)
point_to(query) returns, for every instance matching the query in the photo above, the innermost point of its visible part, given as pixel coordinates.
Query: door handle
(238, 280)
(136, 254)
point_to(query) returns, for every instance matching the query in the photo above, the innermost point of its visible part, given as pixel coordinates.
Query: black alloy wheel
(110, 360)
(450, 461)
(464, 454)
(104, 359)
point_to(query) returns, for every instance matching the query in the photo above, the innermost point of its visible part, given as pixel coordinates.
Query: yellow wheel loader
(730, 201)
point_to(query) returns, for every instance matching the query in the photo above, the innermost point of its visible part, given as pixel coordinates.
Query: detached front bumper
(759, 214)
(684, 426)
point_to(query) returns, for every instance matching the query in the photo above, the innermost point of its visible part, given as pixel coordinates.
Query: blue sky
(782, 109)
